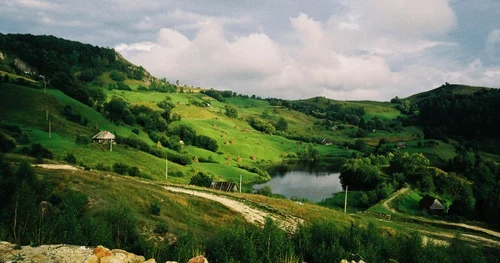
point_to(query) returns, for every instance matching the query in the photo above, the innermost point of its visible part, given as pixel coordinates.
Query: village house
(431, 204)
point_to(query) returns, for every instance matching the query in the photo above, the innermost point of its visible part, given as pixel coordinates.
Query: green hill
(219, 135)
(456, 89)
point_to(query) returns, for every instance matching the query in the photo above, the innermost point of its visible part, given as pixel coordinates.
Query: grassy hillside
(457, 89)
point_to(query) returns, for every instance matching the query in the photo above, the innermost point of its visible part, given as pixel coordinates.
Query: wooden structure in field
(431, 204)
(225, 186)
(105, 137)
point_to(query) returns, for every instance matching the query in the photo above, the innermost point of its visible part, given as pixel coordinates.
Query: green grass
(407, 203)
(181, 212)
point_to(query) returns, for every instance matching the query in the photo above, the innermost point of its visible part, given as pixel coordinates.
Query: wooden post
(50, 130)
(345, 202)
(46, 114)
(111, 145)
(240, 182)
(166, 166)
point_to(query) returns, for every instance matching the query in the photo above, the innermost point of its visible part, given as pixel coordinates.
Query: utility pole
(240, 182)
(166, 166)
(345, 202)
(44, 83)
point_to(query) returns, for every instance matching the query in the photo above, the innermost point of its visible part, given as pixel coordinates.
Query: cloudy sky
(341, 49)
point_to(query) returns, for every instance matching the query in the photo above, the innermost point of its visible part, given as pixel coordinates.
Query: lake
(312, 185)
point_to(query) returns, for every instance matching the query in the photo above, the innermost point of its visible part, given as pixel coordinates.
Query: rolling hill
(196, 132)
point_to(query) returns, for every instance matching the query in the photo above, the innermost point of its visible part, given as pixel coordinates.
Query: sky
(339, 49)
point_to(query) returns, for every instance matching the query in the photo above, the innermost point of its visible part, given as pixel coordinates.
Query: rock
(171, 262)
(198, 259)
(110, 259)
(127, 257)
(151, 260)
(101, 251)
(92, 259)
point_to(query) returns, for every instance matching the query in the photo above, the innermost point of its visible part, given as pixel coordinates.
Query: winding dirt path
(386, 204)
(252, 215)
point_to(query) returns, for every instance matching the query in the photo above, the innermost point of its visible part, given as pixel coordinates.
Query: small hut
(224, 186)
(104, 137)
(431, 204)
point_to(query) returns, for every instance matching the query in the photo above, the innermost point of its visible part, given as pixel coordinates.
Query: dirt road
(250, 214)
(386, 204)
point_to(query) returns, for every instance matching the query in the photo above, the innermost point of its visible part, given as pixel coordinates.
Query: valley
(147, 189)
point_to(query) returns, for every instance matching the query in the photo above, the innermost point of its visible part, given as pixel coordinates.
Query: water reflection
(312, 185)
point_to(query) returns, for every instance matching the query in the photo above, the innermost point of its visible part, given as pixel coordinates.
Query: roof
(225, 186)
(104, 135)
(429, 202)
(436, 205)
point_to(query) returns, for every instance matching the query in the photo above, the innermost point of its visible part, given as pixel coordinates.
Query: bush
(70, 158)
(37, 150)
(135, 130)
(134, 171)
(201, 179)
(154, 208)
(116, 75)
(25, 138)
(120, 168)
(161, 228)
(82, 139)
(7, 143)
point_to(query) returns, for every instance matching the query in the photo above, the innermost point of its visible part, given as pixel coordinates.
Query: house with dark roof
(431, 204)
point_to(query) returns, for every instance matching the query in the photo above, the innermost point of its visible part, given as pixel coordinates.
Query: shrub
(82, 139)
(70, 158)
(154, 208)
(7, 143)
(134, 171)
(120, 168)
(161, 228)
(116, 75)
(135, 130)
(201, 179)
(37, 150)
(25, 138)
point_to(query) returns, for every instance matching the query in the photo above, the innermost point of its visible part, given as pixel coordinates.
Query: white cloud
(404, 18)
(493, 40)
(190, 20)
(349, 56)
(37, 4)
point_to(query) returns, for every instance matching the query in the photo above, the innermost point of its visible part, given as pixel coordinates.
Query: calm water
(315, 186)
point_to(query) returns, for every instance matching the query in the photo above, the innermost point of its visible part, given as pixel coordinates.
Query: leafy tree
(201, 179)
(359, 173)
(116, 75)
(281, 124)
(231, 111)
(119, 110)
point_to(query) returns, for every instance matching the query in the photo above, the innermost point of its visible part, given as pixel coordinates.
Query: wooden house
(431, 204)
(225, 186)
